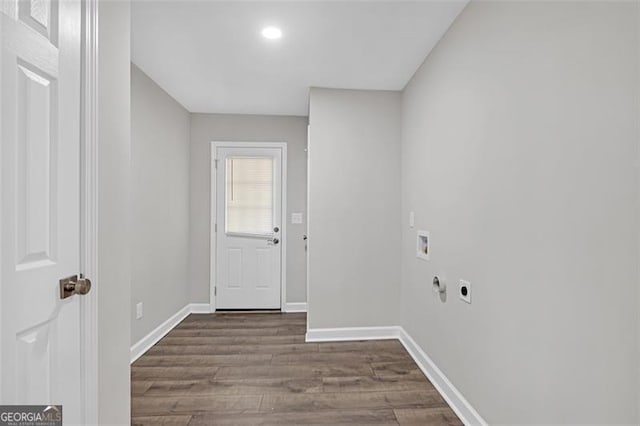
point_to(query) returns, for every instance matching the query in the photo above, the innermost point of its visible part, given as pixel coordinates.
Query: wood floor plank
(351, 357)
(395, 368)
(231, 349)
(189, 405)
(214, 332)
(161, 420)
(288, 371)
(375, 384)
(203, 360)
(214, 325)
(171, 339)
(172, 372)
(139, 387)
(440, 416)
(234, 387)
(384, 417)
(257, 369)
(393, 346)
(362, 400)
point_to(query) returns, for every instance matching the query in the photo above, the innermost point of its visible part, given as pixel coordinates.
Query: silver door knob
(74, 285)
(275, 241)
(276, 229)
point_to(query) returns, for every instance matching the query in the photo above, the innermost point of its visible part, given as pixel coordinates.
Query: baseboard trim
(449, 392)
(158, 333)
(352, 333)
(200, 308)
(144, 344)
(458, 403)
(295, 307)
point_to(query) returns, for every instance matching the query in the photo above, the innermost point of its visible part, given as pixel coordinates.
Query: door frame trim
(89, 209)
(212, 215)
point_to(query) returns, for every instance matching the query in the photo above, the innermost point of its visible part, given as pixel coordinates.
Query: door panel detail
(235, 268)
(41, 16)
(35, 169)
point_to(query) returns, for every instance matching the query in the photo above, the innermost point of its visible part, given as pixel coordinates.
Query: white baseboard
(449, 392)
(467, 414)
(352, 333)
(200, 308)
(158, 333)
(295, 307)
(144, 344)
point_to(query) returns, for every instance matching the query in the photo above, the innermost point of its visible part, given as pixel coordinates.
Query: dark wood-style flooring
(256, 369)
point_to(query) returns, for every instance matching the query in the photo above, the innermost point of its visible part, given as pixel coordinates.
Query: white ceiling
(211, 57)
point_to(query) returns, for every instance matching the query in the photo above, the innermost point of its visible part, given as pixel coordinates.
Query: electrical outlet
(464, 291)
(139, 310)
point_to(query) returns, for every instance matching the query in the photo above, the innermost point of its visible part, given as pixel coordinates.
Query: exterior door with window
(248, 189)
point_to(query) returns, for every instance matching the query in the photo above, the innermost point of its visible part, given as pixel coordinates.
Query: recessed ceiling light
(271, 33)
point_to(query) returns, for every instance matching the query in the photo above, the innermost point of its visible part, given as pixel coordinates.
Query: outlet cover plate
(139, 310)
(464, 285)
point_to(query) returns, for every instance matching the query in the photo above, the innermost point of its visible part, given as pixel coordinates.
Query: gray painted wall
(354, 234)
(206, 128)
(113, 279)
(520, 155)
(160, 129)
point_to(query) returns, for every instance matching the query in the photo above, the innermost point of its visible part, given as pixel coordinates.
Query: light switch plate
(412, 219)
(296, 218)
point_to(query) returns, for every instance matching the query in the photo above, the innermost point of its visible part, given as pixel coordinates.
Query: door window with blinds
(249, 195)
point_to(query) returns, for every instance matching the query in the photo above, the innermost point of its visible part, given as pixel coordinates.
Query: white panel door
(40, 343)
(249, 232)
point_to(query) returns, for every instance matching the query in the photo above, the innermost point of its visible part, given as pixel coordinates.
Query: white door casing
(247, 267)
(42, 342)
(308, 233)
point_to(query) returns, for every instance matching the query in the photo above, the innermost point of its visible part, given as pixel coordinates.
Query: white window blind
(249, 197)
